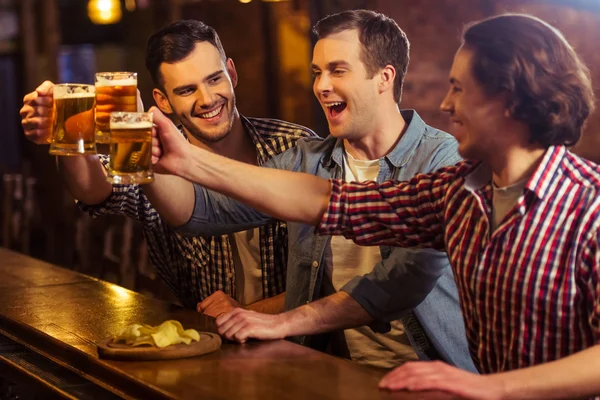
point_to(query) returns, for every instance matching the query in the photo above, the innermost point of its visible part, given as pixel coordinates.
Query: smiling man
(359, 63)
(195, 82)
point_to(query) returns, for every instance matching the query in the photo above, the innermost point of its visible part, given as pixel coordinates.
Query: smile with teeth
(211, 114)
(336, 108)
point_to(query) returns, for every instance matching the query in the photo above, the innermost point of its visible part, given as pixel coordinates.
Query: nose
(322, 85)
(448, 103)
(204, 97)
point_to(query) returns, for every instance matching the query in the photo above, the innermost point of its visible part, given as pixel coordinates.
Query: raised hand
(169, 147)
(37, 114)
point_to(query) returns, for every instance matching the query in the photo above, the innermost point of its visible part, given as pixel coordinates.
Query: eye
(316, 74)
(215, 79)
(455, 89)
(338, 72)
(185, 92)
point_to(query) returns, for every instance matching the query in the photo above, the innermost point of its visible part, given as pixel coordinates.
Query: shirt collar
(539, 182)
(256, 139)
(402, 151)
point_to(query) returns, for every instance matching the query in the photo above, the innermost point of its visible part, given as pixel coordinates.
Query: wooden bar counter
(54, 317)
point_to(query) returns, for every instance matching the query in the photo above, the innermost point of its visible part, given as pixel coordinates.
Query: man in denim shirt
(359, 63)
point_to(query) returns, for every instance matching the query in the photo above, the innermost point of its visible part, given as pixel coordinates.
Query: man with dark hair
(194, 81)
(520, 219)
(358, 82)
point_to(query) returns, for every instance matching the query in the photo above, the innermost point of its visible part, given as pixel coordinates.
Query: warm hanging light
(104, 12)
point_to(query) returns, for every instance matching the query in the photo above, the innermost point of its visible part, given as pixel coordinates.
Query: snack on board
(168, 333)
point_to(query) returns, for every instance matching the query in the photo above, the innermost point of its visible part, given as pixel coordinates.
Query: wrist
(286, 325)
(503, 389)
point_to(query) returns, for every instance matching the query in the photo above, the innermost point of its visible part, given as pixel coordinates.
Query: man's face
(200, 93)
(476, 117)
(349, 99)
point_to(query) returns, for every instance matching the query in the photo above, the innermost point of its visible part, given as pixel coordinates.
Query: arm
(271, 305)
(282, 194)
(338, 311)
(215, 213)
(406, 213)
(572, 377)
(85, 176)
(398, 284)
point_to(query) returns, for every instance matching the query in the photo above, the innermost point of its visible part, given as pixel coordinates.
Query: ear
(232, 72)
(386, 78)
(162, 101)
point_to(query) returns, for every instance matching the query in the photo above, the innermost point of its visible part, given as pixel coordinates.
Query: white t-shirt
(245, 246)
(345, 260)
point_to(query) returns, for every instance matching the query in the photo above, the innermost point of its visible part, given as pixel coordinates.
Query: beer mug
(73, 130)
(115, 91)
(130, 148)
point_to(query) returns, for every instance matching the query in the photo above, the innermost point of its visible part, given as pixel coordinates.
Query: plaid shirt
(195, 267)
(529, 290)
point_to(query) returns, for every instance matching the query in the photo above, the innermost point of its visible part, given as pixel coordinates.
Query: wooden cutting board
(208, 343)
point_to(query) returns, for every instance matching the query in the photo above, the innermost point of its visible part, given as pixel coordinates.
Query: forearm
(576, 376)
(271, 305)
(282, 194)
(335, 312)
(173, 198)
(85, 178)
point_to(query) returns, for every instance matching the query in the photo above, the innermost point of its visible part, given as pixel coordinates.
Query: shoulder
(271, 127)
(581, 172)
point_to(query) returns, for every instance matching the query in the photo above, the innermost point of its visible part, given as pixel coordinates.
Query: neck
(384, 134)
(516, 164)
(237, 145)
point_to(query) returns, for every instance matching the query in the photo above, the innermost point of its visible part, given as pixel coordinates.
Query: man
(359, 64)
(194, 82)
(520, 219)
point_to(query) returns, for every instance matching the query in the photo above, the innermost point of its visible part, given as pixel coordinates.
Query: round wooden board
(208, 342)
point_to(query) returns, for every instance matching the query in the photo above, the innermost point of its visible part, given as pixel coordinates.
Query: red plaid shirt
(529, 291)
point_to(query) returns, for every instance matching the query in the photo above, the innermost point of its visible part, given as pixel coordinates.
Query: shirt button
(315, 264)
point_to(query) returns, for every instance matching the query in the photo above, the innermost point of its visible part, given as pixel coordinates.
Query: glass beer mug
(73, 129)
(130, 148)
(115, 91)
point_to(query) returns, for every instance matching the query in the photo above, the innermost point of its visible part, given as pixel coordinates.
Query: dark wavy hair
(383, 42)
(175, 42)
(549, 87)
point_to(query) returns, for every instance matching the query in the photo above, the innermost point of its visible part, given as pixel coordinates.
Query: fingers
(420, 375)
(203, 305)
(45, 89)
(36, 114)
(140, 103)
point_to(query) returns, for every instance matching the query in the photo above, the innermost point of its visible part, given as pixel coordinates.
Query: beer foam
(103, 82)
(63, 95)
(131, 125)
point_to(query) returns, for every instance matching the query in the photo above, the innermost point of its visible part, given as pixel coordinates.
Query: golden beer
(73, 130)
(130, 148)
(115, 91)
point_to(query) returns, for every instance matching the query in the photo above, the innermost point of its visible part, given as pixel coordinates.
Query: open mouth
(212, 115)
(335, 109)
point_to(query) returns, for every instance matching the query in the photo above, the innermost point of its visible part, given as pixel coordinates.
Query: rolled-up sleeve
(397, 284)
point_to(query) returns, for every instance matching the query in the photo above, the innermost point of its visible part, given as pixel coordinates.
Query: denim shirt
(414, 285)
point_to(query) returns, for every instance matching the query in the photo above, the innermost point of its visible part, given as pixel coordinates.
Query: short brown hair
(549, 87)
(175, 42)
(383, 42)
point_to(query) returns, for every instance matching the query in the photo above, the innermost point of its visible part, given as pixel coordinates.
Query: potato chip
(166, 334)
